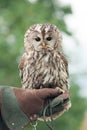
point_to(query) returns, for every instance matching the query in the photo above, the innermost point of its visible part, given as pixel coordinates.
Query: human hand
(32, 101)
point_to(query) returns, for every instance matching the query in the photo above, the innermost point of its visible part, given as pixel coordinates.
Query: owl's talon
(61, 90)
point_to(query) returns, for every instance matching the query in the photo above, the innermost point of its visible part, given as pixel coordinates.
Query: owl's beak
(43, 45)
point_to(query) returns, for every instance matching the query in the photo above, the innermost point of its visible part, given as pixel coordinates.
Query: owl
(43, 64)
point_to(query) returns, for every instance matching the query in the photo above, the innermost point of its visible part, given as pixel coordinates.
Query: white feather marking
(46, 58)
(46, 29)
(46, 79)
(38, 28)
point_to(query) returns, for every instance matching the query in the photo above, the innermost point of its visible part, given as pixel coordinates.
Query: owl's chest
(43, 71)
(49, 70)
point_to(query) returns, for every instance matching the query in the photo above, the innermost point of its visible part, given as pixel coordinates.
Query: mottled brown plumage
(43, 64)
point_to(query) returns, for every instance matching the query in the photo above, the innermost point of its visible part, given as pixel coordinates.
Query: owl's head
(42, 37)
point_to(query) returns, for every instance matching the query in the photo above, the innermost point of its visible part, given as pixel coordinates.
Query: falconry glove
(18, 106)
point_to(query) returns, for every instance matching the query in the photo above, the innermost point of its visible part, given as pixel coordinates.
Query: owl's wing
(21, 65)
(64, 75)
(66, 63)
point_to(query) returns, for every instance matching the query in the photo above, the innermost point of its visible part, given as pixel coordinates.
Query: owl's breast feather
(47, 71)
(44, 71)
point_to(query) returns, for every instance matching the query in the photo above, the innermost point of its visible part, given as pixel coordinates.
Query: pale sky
(78, 48)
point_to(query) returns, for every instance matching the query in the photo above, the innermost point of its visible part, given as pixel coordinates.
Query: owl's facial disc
(42, 37)
(45, 43)
(36, 41)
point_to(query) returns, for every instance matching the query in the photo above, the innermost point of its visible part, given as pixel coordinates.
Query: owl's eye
(37, 39)
(49, 38)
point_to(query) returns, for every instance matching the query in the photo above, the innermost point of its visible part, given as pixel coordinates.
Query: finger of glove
(60, 99)
(48, 92)
(65, 95)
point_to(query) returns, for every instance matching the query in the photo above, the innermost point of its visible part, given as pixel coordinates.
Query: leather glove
(30, 102)
(14, 100)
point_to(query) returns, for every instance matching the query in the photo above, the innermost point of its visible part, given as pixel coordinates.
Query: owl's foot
(61, 90)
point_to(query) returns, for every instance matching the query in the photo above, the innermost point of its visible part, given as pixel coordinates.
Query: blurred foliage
(15, 17)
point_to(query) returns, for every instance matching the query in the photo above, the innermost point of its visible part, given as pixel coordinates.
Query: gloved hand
(32, 101)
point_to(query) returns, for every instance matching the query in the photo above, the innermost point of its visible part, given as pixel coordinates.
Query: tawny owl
(43, 63)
